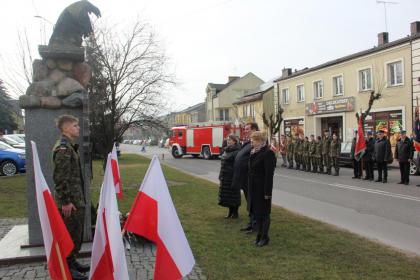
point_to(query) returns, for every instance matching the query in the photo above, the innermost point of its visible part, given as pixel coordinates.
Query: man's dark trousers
(405, 172)
(357, 168)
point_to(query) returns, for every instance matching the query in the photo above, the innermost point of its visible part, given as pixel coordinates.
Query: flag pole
(60, 260)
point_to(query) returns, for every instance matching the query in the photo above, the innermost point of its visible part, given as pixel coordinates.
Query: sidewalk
(140, 261)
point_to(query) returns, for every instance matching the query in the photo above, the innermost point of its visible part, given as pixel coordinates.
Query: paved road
(388, 213)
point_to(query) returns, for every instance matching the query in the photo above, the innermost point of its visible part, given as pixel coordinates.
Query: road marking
(355, 188)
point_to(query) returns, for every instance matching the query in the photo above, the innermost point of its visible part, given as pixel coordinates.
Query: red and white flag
(108, 254)
(360, 142)
(154, 217)
(57, 241)
(116, 173)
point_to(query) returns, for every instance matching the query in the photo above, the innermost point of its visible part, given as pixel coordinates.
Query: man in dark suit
(368, 156)
(404, 155)
(382, 154)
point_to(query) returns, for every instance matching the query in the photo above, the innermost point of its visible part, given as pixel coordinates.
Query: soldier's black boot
(321, 170)
(264, 232)
(336, 172)
(75, 274)
(329, 170)
(297, 166)
(81, 267)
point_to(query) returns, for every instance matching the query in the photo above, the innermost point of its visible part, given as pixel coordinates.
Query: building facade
(328, 96)
(220, 97)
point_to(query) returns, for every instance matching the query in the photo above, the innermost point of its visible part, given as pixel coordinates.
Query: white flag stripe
(169, 227)
(114, 156)
(41, 186)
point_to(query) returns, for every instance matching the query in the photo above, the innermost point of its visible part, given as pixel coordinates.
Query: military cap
(403, 131)
(369, 133)
(380, 132)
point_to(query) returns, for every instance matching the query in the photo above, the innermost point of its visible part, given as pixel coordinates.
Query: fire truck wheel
(195, 156)
(175, 153)
(206, 153)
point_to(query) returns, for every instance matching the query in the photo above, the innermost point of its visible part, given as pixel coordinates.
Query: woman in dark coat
(229, 196)
(262, 163)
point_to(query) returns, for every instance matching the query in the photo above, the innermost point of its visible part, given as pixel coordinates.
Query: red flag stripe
(105, 268)
(145, 223)
(61, 237)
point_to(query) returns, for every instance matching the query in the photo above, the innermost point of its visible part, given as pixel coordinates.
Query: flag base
(14, 248)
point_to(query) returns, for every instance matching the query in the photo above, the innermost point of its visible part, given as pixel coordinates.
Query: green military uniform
(318, 156)
(306, 163)
(298, 153)
(312, 150)
(289, 153)
(326, 155)
(335, 150)
(69, 188)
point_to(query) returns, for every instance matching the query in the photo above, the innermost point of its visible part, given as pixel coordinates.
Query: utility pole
(386, 3)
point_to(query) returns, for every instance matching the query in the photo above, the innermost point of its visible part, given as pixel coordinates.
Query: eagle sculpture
(73, 24)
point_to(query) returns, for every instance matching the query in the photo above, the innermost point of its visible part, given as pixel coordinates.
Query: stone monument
(59, 86)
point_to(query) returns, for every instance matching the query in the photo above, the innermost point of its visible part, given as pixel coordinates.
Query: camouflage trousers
(327, 161)
(74, 225)
(298, 159)
(318, 162)
(334, 162)
(290, 159)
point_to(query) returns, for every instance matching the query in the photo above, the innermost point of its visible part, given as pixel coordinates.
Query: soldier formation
(313, 154)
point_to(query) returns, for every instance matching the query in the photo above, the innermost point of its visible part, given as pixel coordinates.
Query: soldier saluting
(69, 188)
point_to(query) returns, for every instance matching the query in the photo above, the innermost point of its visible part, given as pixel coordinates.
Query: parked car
(344, 159)
(415, 164)
(12, 160)
(14, 141)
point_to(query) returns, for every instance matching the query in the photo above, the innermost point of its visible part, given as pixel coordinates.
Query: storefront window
(294, 127)
(390, 122)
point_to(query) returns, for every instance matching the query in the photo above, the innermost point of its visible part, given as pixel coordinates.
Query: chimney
(286, 72)
(415, 28)
(232, 78)
(383, 38)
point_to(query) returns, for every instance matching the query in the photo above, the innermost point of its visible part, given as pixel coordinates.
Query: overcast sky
(209, 40)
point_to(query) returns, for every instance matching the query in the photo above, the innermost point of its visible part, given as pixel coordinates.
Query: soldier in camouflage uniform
(69, 188)
(335, 150)
(299, 151)
(289, 151)
(306, 163)
(312, 150)
(326, 152)
(318, 154)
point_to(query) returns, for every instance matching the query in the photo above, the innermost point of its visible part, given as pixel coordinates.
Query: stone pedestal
(40, 127)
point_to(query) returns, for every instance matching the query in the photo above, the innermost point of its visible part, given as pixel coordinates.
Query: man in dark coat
(404, 155)
(368, 156)
(240, 167)
(382, 154)
(357, 164)
(262, 163)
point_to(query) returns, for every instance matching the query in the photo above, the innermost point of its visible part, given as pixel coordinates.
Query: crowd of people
(248, 166)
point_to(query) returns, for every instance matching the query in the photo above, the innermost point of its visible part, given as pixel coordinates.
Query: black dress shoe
(354, 177)
(401, 182)
(234, 216)
(251, 231)
(365, 178)
(263, 242)
(384, 181)
(378, 180)
(248, 228)
(406, 183)
(76, 275)
(81, 267)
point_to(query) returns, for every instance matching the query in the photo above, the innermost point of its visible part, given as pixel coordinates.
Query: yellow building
(327, 96)
(251, 107)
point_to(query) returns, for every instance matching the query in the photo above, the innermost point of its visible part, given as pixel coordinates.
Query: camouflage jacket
(306, 148)
(326, 146)
(312, 148)
(318, 149)
(335, 148)
(298, 147)
(289, 147)
(67, 174)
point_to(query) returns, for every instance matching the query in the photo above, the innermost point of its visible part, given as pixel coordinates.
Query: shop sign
(330, 106)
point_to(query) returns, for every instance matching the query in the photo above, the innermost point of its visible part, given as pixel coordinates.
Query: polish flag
(360, 142)
(57, 241)
(116, 172)
(108, 254)
(154, 217)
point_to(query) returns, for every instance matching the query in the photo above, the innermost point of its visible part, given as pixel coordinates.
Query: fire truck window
(180, 134)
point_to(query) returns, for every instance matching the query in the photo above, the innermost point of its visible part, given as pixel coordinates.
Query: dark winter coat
(382, 151)
(370, 149)
(228, 195)
(404, 150)
(240, 167)
(260, 178)
(353, 147)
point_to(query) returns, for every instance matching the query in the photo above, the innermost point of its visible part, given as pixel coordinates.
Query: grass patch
(300, 248)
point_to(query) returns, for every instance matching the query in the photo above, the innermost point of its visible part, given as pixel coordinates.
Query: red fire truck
(204, 139)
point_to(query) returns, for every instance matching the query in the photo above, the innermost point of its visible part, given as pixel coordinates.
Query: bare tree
(273, 122)
(130, 75)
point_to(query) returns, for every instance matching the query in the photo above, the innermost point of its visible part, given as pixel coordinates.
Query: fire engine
(204, 139)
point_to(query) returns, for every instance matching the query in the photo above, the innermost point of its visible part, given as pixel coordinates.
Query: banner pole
(60, 260)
